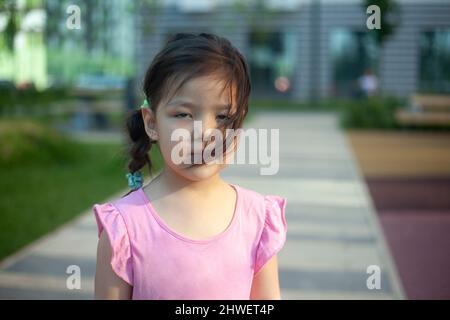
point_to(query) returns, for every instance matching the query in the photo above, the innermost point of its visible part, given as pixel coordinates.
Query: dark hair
(186, 56)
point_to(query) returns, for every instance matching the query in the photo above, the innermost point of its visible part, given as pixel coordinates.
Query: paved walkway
(333, 232)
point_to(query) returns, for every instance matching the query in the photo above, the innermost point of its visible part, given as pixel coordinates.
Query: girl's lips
(203, 162)
(194, 156)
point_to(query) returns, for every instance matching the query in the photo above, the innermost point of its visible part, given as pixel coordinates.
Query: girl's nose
(205, 125)
(208, 122)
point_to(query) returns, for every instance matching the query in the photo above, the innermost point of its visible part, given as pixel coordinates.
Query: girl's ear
(149, 118)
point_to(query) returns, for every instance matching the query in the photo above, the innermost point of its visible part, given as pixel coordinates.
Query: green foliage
(67, 66)
(24, 142)
(29, 99)
(9, 6)
(375, 112)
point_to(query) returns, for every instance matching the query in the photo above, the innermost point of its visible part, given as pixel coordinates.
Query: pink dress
(161, 264)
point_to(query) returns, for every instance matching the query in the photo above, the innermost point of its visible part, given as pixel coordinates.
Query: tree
(10, 7)
(389, 11)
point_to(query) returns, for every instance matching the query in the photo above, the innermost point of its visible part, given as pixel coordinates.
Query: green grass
(47, 180)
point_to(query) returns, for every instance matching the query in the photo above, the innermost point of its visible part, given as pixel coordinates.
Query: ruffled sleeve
(274, 233)
(109, 219)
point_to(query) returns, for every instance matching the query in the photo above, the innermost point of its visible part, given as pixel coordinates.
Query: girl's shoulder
(265, 206)
(117, 218)
(267, 214)
(132, 197)
(122, 209)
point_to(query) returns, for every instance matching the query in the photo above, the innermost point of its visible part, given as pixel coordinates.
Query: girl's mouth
(200, 160)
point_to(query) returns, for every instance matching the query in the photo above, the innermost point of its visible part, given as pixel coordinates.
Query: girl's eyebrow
(186, 103)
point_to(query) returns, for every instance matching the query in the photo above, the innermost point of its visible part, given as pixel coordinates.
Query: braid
(140, 143)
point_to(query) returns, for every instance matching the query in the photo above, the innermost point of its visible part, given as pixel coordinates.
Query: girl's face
(199, 99)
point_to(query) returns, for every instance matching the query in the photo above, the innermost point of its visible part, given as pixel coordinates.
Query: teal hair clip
(145, 104)
(135, 179)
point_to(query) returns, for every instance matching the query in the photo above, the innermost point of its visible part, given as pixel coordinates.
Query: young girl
(188, 234)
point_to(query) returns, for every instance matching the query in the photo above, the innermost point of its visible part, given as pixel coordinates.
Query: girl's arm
(108, 285)
(265, 284)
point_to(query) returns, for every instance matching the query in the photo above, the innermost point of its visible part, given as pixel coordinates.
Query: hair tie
(144, 104)
(135, 180)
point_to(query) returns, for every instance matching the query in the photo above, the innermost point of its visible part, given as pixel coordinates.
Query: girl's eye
(182, 115)
(223, 117)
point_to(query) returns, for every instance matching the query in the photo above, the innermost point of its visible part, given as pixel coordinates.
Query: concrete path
(333, 231)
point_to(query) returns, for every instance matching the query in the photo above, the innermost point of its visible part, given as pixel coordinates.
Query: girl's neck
(171, 183)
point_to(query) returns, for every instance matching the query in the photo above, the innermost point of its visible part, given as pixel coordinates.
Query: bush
(25, 141)
(29, 100)
(8, 96)
(375, 112)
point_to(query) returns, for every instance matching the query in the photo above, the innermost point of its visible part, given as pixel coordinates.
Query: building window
(434, 73)
(272, 59)
(353, 54)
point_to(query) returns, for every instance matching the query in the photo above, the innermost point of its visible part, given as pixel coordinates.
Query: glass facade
(272, 60)
(434, 69)
(352, 54)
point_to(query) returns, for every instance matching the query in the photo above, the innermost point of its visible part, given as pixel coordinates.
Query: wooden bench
(429, 110)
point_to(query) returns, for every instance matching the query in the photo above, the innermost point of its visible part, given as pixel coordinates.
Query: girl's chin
(198, 172)
(199, 165)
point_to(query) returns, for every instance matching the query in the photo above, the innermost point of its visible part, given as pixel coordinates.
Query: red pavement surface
(415, 217)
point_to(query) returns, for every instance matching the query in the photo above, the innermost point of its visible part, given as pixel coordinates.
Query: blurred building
(99, 47)
(297, 49)
(305, 49)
